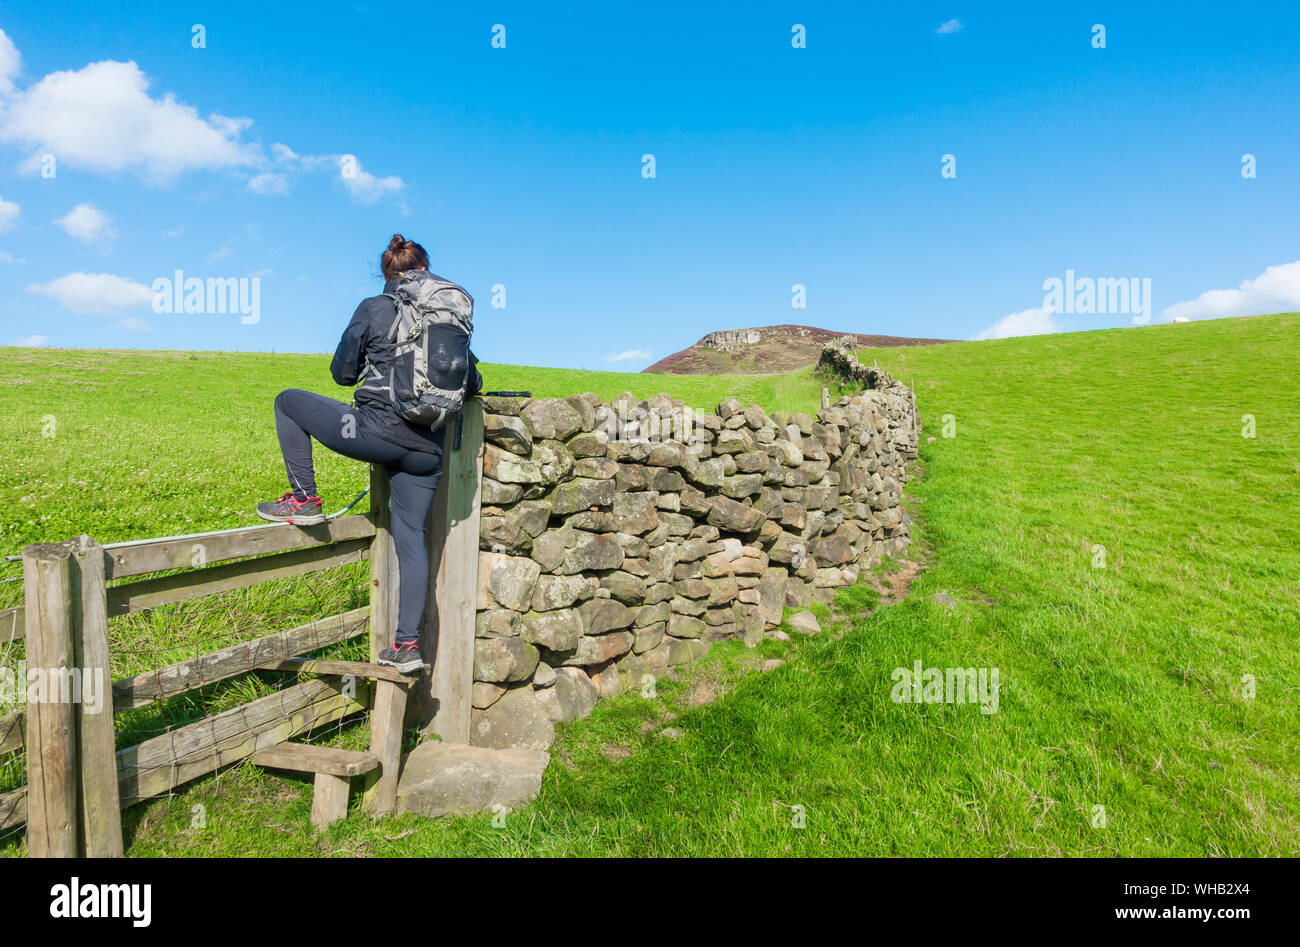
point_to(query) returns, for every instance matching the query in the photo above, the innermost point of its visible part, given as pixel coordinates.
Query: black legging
(412, 479)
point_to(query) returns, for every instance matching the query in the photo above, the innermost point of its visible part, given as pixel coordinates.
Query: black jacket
(365, 339)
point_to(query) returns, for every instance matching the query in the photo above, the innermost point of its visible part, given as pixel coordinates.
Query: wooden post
(329, 799)
(100, 808)
(51, 720)
(383, 565)
(389, 708)
(447, 631)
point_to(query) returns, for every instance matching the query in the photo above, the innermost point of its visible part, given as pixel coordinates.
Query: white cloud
(31, 341)
(9, 212)
(175, 231)
(951, 26)
(220, 253)
(1029, 322)
(10, 258)
(138, 325)
(1277, 289)
(10, 63)
(95, 293)
(102, 118)
(269, 183)
(631, 355)
(364, 187)
(88, 224)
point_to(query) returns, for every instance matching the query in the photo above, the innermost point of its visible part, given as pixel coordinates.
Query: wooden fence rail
(78, 781)
(129, 559)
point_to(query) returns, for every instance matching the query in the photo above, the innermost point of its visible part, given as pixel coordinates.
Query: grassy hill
(1125, 558)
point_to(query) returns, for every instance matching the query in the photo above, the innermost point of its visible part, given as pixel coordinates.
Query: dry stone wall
(621, 539)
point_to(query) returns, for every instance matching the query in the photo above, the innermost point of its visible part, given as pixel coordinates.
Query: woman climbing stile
(410, 349)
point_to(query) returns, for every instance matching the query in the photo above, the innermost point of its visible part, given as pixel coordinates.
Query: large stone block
(457, 779)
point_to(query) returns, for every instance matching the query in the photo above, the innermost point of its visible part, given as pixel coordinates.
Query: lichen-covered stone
(600, 615)
(498, 660)
(497, 623)
(598, 649)
(548, 551)
(551, 417)
(496, 493)
(624, 587)
(571, 697)
(506, 580)
(581, 493)
(560, 591)
(592, 552)
(733, 516)
(557, 630)
(685, 626)
(508, 432)
(517, 721)
(635, 512)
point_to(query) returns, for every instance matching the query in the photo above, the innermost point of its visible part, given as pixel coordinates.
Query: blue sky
(522, 167)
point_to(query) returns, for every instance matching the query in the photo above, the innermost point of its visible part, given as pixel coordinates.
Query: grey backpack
(429, 343)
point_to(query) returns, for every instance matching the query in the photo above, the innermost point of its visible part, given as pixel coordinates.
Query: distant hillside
(765, 349)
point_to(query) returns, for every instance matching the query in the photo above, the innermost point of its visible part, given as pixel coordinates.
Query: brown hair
(402, 255)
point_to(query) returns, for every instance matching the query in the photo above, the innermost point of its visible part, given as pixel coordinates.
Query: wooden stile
(447, 631)
(78, 781)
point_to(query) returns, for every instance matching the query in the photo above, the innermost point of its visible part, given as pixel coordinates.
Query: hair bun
(398, 242)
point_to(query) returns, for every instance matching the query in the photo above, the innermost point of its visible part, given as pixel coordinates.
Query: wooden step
(375, 672)
(306, 758)
(334, 770)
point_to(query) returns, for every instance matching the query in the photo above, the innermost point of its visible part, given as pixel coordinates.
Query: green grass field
(1126, 559)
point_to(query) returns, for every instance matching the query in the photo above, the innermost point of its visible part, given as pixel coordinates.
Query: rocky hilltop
(780, 348)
